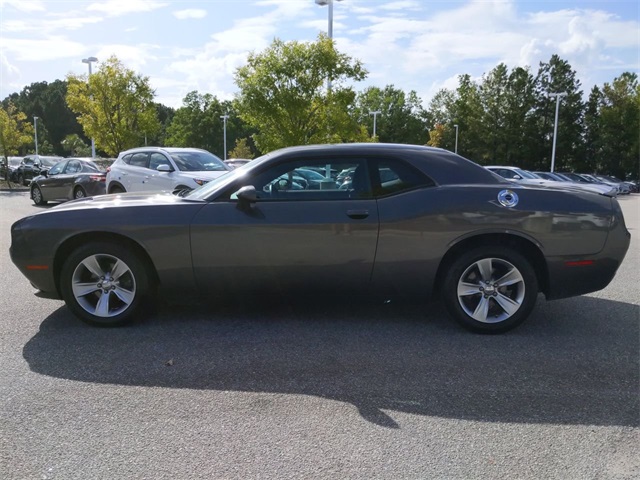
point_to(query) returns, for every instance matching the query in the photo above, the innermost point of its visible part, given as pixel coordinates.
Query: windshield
(14, 161)
(194, 161)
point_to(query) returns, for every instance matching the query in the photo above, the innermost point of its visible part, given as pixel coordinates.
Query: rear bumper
(37, 268)
(577, 275)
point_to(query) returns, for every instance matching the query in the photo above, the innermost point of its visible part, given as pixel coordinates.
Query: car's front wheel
(36, 195)
(104, 284)
(490, 289)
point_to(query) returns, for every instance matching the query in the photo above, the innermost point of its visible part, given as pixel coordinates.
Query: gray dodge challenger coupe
(411, 221)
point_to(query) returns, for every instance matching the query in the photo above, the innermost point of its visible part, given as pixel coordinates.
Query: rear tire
(79, 193)
(36, 196)
(490, 289)
(104, 284)
(20, 180)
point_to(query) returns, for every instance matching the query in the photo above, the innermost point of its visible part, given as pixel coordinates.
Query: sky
(421, 45)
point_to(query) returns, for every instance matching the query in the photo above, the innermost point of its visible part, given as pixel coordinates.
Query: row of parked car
(583, 181)
(149, 169)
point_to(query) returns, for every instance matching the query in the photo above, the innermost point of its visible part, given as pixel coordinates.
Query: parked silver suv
(148, 169)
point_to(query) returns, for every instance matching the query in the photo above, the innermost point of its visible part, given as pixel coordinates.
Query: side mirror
(164, 168)
(517, 177)
(246, 195)
(45, 173)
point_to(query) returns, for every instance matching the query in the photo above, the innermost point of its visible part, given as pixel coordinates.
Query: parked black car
(69, 179)
(442, 226)
(8, 169)
(33, 165)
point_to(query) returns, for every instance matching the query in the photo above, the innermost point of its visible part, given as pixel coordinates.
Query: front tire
(36, 195)
(490, 289)
(104, 284)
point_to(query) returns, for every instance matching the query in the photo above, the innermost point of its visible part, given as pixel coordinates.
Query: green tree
(557, 76)
(75, 146)
(115, 106)
(401, 118)
(197, 123)
(241, 150)
(47, 102)
(466, 112)
(283, 96)
(15, 132)
(620, 126)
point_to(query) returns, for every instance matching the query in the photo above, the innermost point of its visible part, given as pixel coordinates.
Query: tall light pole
(35, 129)
(375, 116)
(329, 3)
(88, 61)
(456, 147)
(224, 119)
(557, 96)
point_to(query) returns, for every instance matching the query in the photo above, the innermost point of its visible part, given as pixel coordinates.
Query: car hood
(120, 200)
(203, 174)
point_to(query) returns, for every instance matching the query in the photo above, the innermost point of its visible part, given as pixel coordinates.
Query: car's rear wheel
(490, 289)
(20, 179)
(36, 195)
(79, 193)
(104, 284)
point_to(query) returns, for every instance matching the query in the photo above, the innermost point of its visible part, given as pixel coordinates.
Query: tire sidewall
(138, 271)
(75, 193)
(458, 267)
(37, 202)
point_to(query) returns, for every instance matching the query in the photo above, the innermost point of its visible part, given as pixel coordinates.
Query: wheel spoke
(125, 295)
(511, 277)
(118, 269)
(485, 267)
(508, 305)
(466, 289)
(91, 264)
(102, 307)
(82, 289)
(482, 310)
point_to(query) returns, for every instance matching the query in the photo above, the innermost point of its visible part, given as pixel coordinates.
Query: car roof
(162, 149)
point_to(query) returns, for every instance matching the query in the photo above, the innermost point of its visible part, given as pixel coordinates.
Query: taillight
(108, 169)
(98, 178)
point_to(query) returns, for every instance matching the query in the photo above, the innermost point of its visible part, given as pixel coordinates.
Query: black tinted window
(139, 160)
(393, 176)
(127, 159)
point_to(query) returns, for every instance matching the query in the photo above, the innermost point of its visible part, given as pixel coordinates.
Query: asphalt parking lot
(320, 389)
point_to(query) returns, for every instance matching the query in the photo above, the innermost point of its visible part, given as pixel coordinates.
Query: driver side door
(293, 239)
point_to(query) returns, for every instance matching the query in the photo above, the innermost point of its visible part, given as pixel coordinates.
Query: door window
(139, 160)
(157, 159)
(57, 168)
(73, 167)
(313, 179)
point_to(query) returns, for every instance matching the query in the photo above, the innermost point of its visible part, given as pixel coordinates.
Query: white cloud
(44, 49)
(26, 6)
(133, 57)
(402, 5)
(190, 13)
(122, 7)
(49, 25)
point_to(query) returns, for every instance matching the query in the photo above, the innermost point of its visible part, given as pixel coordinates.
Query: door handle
(358, 214)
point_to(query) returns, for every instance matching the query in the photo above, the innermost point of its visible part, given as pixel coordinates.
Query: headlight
(200, 181)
